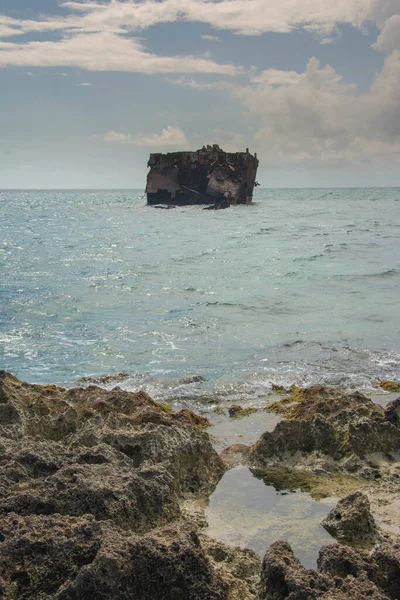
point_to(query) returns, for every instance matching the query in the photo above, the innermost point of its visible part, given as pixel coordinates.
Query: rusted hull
(182, 198)
(206, 177)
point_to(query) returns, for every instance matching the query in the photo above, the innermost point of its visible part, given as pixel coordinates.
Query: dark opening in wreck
(207, 176)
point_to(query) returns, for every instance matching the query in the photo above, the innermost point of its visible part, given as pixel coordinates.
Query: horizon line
(115, 189)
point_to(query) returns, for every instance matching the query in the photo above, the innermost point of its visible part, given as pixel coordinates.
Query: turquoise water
(300, 287)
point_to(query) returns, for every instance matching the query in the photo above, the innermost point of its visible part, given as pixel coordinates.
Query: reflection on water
(245, 512)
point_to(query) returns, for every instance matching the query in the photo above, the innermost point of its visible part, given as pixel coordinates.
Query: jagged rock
(382, 566)
(40, 553)
(392, 412)
(328, 422)
(236, 411)
(341, 561)
(67, 558)
(386, 557)
(87, 478)
(168, 564)
(50, 412)
(104, 379)
(234, 455)
(118, 455)
(108, 491)
(92, 485)
(284, 578)
(238, 568)
(192, 379)
(351, 519)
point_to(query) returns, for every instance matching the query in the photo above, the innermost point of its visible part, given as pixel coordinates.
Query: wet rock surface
(351, 519)
(94, 485)
(386, 557)
(392, 412)
(345, 431)
(342, 575)
(235, 411)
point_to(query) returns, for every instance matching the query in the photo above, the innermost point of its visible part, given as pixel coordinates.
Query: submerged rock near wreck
(207, 176)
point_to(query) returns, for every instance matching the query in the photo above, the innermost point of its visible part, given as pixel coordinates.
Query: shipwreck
(207, 176)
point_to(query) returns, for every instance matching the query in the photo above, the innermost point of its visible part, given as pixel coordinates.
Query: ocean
(300, 287)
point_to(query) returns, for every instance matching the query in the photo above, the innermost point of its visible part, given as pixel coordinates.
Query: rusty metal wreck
(208, 176)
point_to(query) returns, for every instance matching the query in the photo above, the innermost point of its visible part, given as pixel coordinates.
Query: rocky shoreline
(101, 496)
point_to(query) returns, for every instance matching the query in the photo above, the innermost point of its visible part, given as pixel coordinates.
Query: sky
(88, 88)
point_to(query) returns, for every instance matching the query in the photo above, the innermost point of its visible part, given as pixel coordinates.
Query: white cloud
(275, 77)
(94, 34)
(104, 52)
(210, 38)
(389, 37)
(189, 82)
(169, 137)
(326, 41)
(315, 116)
(246, 17)
(309, 116)
(114, 137)
(231, 141)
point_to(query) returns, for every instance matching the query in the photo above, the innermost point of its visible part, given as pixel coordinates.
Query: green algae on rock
(389, 386)
(342, 430)
(318, 486)
(235, 411)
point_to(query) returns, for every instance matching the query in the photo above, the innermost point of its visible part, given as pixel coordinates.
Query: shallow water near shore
(301, 287)
(245, 512)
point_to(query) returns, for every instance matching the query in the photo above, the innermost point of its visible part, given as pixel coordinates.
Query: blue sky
(89, 88)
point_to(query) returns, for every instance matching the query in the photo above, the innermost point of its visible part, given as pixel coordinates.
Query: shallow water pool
(245, 512)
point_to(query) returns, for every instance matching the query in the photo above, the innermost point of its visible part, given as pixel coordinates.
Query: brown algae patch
(235, 411)
(280, 407)
(306, 403)
(243, 511)
(389, 386)
(283, 406)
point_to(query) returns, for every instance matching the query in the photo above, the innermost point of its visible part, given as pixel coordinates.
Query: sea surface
(300, 287)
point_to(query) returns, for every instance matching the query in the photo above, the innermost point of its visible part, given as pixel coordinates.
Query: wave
(375, 275)
(296, 362)
(308, 258)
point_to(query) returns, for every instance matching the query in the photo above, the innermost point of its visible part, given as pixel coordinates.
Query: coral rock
(330, 423)
(351, 519)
